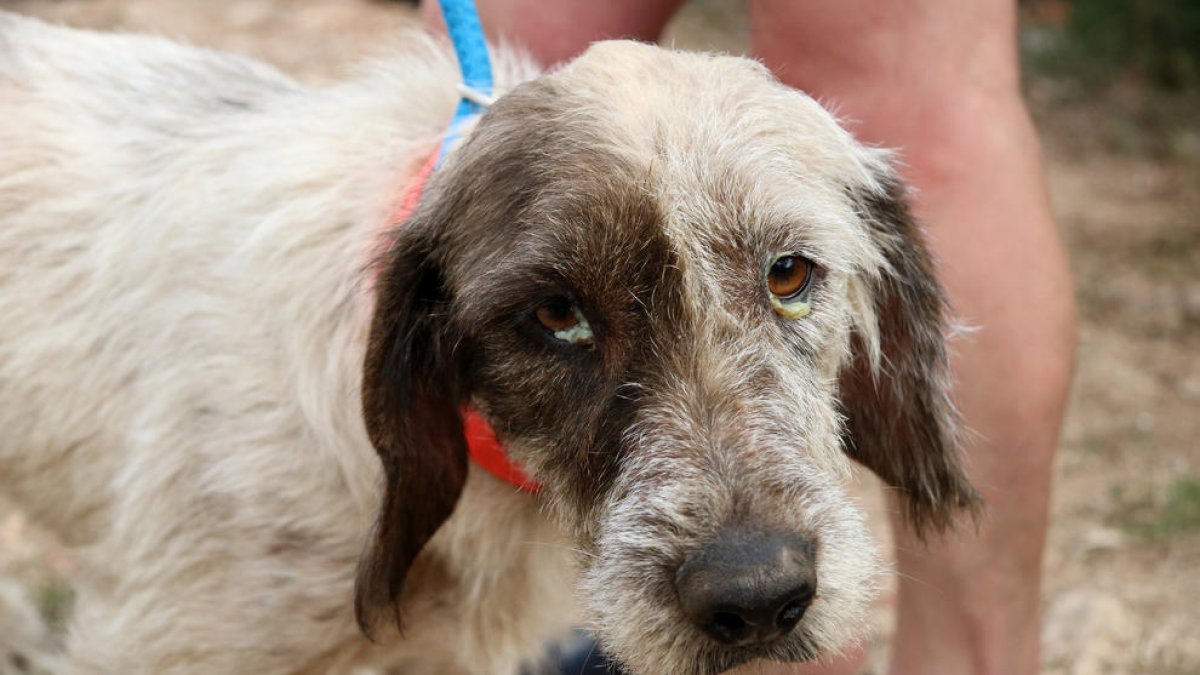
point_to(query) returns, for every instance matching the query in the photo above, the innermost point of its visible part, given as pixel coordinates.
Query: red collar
(482, 445)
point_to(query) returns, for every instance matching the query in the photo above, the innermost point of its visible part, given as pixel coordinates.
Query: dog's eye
(789, 276)
(564, 320)
(789, 279)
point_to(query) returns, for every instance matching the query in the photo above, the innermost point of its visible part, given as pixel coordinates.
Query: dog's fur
(191, 283)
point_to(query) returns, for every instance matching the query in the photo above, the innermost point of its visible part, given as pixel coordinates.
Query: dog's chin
(710, 658)
(796, 648)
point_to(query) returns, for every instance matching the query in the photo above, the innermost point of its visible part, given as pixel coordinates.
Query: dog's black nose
(748, 588)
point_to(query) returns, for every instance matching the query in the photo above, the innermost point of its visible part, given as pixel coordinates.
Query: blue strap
(466, 34)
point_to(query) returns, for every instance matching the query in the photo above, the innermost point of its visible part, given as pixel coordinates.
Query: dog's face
(683, 297)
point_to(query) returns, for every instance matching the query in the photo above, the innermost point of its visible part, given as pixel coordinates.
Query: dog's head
(683, 296)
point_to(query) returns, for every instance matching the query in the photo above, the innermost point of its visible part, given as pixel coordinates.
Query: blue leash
(466, 34)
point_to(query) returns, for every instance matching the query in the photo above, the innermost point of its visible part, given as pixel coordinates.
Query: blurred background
(1114, 86)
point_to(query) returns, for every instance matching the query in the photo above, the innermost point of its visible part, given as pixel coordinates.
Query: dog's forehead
(706, 109)
(728, 154)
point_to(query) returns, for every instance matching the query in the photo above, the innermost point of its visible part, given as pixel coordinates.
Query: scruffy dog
(680, 293)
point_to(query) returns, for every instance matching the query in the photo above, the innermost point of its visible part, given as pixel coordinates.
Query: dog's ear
(411, 395)
(895, 390)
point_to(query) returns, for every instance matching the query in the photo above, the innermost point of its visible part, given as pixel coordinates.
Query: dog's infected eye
(789, 279)
(564, 320)
(557, 314)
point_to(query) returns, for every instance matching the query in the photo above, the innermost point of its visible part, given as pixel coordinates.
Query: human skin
(938, 80)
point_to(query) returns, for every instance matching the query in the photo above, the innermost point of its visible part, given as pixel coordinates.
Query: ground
(1122, 590)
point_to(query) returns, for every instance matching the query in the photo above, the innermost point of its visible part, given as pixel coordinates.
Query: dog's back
(92, 134)
(154, 197)
(97, 200)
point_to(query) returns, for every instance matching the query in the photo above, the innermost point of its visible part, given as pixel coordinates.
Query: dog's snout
(748, 588)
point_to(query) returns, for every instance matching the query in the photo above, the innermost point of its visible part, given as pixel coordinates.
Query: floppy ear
(895, 393)
(412, 390)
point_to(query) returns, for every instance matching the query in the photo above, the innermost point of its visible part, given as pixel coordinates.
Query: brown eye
(557, 315)
(789, 276)
(564, 321)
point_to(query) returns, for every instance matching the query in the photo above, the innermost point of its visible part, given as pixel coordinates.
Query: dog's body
(189, 262)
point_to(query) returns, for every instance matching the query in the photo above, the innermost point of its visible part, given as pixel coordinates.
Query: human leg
(557, 31)
(940, 81)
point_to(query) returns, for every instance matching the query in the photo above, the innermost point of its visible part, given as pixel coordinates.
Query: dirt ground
(1122, 590)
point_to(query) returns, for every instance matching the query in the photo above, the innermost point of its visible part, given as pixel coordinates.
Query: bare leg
(939, 79)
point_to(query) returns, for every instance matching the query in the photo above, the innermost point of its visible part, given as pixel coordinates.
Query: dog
(682, 296)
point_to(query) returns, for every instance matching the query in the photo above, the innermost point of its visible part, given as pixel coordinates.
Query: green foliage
(1176, 514)
(55, 600)
(1182, 510)
(1157, 41)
